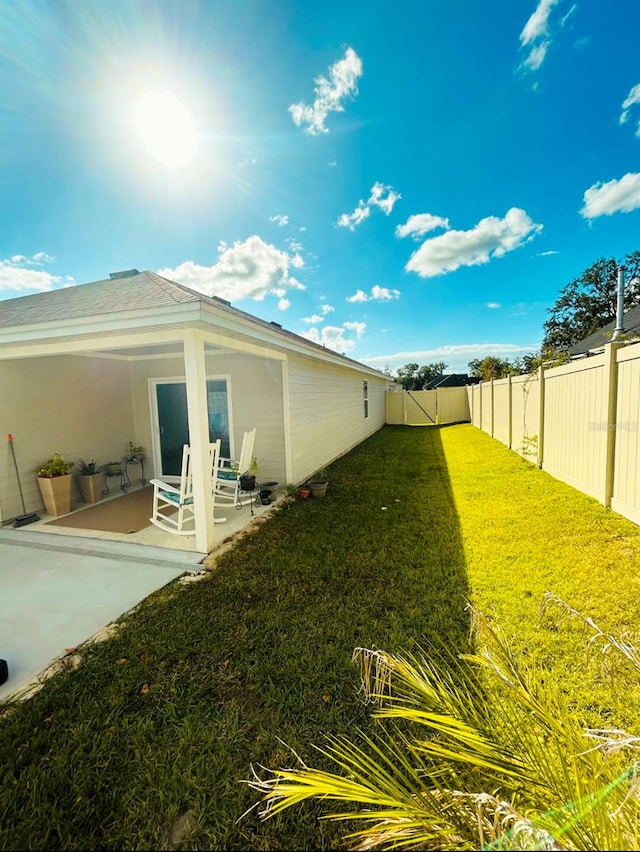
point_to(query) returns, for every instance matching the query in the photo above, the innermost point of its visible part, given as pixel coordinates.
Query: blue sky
(402, 181)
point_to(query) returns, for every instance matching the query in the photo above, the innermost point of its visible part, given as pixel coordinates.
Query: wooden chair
(173, 505)
(227, 482)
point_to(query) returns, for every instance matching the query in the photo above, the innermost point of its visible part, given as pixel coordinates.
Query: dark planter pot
(265, 497)
(318, 487)
(247, 483)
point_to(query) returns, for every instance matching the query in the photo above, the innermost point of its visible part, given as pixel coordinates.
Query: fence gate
(427, 408)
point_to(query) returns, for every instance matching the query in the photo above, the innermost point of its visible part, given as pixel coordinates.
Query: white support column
(196, 380)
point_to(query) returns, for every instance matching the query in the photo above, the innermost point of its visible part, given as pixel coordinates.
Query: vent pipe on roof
(127, 273)
(619, 329)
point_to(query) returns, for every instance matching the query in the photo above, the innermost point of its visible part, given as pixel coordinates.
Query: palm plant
(466, 762)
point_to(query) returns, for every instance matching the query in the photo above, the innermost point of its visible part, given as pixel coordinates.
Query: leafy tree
(459, 763)
(494, 368)
(590, 301)
(413, 377)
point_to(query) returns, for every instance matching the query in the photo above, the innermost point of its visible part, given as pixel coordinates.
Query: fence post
(541, 416)
(510, 416)
(611, 386)
(492, 408)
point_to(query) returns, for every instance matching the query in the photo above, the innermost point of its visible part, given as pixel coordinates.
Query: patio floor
(152, 536)
(62, 585)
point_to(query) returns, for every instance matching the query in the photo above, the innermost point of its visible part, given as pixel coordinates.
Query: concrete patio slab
(58, 591)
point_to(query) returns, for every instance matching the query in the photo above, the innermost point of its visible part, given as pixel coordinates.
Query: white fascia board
(85, 346)
(184, 312)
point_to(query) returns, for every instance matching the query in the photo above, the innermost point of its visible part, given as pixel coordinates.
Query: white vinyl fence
(432, 407)
(579, 422)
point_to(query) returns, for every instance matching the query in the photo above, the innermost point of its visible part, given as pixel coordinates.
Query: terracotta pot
(304, 491)
(56, 494)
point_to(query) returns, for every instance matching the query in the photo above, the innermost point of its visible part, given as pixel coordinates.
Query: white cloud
(616, 196)
(279, 219)
(333, 337)
(284, 305)
(491, 237)
(381, 196)
(251, 269)
(327, 309)
(632, 98)
(378, 294)
(314, 319)
(494, 305)
(330, 94)
(547, 253)
(17, 273)
(350, 220)
(358, 327)
(421, 223)
(535, 35)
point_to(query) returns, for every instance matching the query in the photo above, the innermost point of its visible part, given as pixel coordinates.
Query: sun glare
(166, 127)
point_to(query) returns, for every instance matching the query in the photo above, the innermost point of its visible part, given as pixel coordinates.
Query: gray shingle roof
(144, 290)
(597, 340)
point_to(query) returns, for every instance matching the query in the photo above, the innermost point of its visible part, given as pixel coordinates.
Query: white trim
(286, 421)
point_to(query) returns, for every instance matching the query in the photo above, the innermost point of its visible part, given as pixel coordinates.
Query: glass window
(365, 395)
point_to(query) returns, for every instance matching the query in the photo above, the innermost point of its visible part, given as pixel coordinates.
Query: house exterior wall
(77, 406)
(327, 412)
(255, 399)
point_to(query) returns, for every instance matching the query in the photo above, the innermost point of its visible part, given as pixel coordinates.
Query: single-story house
(136, 357)
(596, 341)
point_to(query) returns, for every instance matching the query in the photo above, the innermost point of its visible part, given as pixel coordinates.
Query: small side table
(123, 480)
(134, 460)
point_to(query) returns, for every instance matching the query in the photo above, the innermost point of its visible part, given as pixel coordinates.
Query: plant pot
(304, 491)
(265, 497)
(247, 483)
(318, 487)
(56, 494)
(113, 469)
(91, 487)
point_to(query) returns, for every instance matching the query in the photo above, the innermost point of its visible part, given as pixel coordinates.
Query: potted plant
(135, 452)
(304, 491)
(90, 479)
(54, 481)
(113, 468)
(248, 478)
(318, 484)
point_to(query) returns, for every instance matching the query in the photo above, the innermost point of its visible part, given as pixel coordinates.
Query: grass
(145, 744)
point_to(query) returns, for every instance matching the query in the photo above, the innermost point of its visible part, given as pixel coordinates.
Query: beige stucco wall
(74, 405)
(327, 413)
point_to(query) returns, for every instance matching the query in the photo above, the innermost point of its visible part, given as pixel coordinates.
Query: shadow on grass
(145, 745)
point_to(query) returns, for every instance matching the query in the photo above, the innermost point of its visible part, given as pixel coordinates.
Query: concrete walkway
(57, 591)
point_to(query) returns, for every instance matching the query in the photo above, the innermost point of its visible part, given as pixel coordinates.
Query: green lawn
(144, 746)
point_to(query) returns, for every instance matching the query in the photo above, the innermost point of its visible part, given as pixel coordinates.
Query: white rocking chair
(169, 498)
(227, 483)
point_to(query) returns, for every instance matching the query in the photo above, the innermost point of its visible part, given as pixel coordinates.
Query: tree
(590, 301)
(413, 377)
(494, 368)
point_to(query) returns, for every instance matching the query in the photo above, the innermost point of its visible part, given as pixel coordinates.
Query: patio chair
(173, 505)
(227, 484)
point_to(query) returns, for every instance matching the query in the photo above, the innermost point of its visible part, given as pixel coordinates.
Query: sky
(400, 181)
